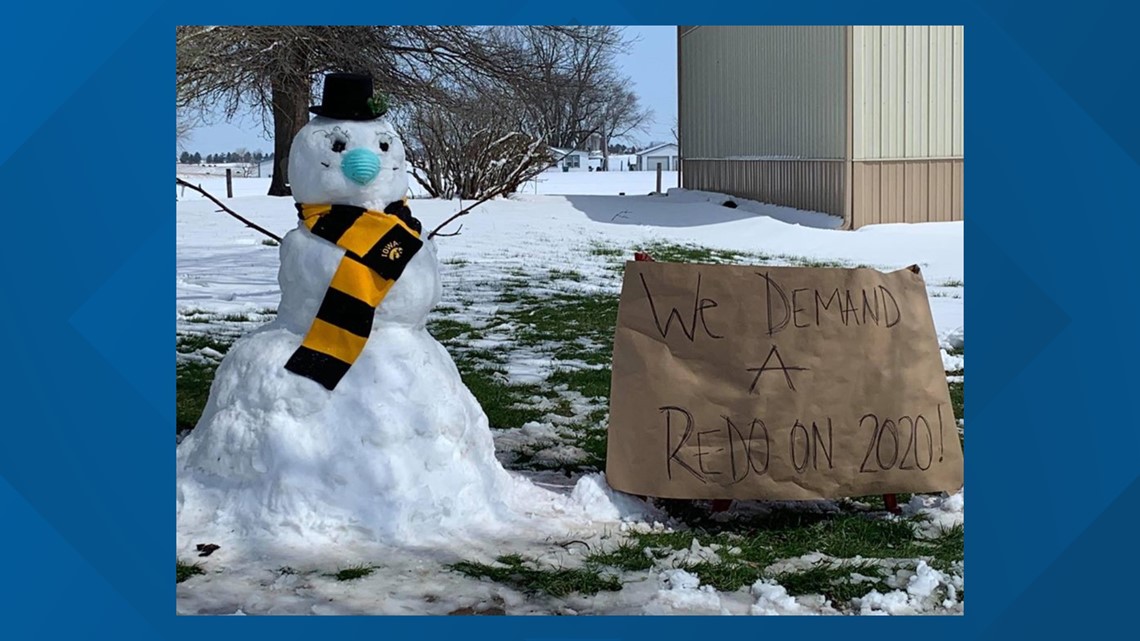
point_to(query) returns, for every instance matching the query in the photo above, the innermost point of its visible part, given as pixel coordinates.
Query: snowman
(344, 419)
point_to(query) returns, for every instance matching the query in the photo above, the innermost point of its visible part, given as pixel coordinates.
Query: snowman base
(400, 453)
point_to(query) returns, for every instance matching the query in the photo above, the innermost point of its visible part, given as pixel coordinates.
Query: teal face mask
(360, 165)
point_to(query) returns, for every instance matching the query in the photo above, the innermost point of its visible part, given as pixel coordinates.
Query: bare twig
(230, 211)
(461, 212)
(454, 233)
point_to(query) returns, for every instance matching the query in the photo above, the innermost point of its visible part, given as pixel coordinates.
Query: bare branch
(229, 211)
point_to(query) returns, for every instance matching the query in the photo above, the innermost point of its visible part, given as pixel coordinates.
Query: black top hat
(348, 96)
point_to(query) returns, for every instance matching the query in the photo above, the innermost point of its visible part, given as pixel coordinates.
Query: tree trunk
(290, 113)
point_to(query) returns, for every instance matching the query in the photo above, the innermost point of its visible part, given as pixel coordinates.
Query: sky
(651, 65)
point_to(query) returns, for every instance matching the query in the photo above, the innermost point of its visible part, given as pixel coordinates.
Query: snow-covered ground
(227, 278)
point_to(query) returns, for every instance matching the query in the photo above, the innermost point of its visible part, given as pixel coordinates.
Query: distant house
(575, 159)
(664, 155)
(863, 122)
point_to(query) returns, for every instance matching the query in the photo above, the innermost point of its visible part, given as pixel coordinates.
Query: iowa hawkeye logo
(392, 251)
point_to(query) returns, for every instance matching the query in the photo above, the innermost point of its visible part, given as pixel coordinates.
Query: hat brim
(340, 115)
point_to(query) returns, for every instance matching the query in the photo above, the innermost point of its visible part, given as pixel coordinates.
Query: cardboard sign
(778, 383)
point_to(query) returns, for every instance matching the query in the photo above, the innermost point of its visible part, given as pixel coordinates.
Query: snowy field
(553, 253)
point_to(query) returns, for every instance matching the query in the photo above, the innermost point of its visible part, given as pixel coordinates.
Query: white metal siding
(908, 92)
(916, 89)
(959, 63)
(941, 105)
(867, 54)
(891, 91)
(749, 92)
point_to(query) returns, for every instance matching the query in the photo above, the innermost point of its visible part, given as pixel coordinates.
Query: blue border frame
(85, 459)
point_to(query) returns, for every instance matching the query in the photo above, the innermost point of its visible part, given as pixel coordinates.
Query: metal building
(861, 122)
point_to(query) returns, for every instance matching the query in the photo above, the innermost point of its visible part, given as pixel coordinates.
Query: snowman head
(347, 155)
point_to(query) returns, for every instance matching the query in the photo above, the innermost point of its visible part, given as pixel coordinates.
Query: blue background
(86, 454)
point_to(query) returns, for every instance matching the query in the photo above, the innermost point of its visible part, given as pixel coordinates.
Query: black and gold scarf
(378, 246)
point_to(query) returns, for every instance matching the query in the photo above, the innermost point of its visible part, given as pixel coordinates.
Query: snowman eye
(338, 145)
(383, 146)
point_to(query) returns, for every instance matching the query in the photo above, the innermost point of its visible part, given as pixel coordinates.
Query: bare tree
(566, 73)
(622, 114)
(272, 69)
(472, 148)
(185, 123)
(551, 83)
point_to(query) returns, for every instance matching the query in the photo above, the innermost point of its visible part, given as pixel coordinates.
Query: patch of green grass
(956, 351)
(947, 548)
(832, 580)
(591, 383)
(353, 573)
(958, 399)
(192, 390)
(446, 329)
(677, 253)
(593, 442)
(627, 556)
(185, 571)
(457, 262)
(236, 318)
(784, 534)
(566, 319)
(803, 261)
(599, 249)
(468, 359)
(727, 576)
(269, 242)
(952, 283)
(513, 570)
(505, 404)
(190, 343)
(566, 274)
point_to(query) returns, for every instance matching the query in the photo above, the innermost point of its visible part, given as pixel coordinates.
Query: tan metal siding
(803, 184)
(910, 191)
(754, 92)
(866, 207)
(941, 181)
(908, 92)
(916, 187)
(957, 171)
(892, 191)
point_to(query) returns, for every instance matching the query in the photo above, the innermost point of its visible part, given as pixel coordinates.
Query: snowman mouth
(325, 164)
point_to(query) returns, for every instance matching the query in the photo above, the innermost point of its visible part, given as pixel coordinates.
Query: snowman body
(400, 451)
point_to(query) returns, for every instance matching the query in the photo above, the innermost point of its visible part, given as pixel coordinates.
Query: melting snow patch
(939, 513)
(952, 363)
(682, 593)
(954, 339)
(773, 598)
(604, 503)
(920, 593)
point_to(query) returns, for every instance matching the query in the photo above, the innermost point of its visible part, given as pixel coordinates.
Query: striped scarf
(378, 246)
